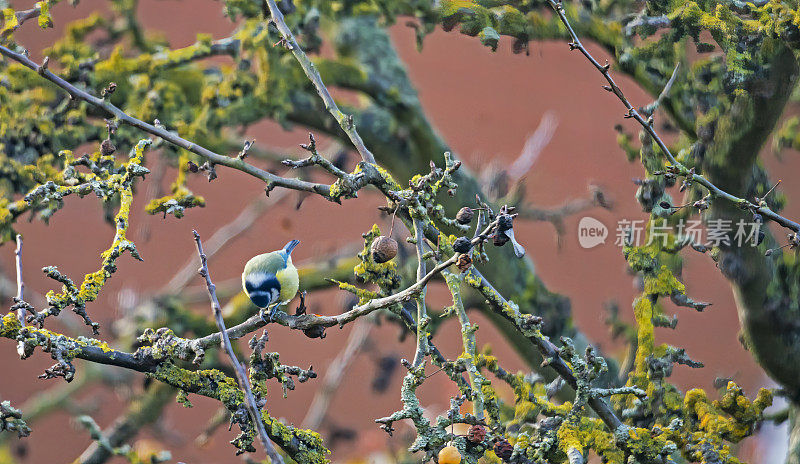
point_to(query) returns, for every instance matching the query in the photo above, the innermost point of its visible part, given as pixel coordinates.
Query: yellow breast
(289, 280)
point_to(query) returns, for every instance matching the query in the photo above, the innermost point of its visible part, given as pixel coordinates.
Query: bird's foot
(267, 318)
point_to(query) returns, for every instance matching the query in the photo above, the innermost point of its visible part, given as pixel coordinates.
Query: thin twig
(556, 216)
(647, 125)
(468, 340)
(222, 416)
(651, 108)
(19, 299)
(20, 283)
(241, 374)
(422, 338)
(315, 159)
(345, 121)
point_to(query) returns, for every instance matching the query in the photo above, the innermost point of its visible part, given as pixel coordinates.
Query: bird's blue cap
(290, 246)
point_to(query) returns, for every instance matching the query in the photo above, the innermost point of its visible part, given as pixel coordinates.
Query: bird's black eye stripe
(261, 282)
(262, 288)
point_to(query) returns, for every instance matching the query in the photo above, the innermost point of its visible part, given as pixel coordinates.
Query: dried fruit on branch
(465, 215)
(383, 249)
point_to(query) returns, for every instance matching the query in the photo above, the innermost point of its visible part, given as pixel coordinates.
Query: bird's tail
(290, 246)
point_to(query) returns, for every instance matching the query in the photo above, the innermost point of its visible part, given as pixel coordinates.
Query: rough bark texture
(769, 326)
(793, 454)
(769, 331)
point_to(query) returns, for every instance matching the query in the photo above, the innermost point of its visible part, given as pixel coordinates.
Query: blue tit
(270, 279)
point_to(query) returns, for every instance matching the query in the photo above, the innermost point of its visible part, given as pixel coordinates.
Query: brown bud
(383, 249)
(194, 168)
(476, 433)
(110, 88)
(107, 148)
(503, 449)
(465, 215)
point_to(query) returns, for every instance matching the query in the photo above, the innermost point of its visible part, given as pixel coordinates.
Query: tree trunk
(793, 453)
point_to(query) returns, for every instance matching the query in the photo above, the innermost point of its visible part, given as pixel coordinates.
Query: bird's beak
(290, 246)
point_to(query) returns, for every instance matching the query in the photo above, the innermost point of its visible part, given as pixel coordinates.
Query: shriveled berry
(504, 222)
(462, 245)
(383, 249)
(465, 215)
(463, 262)
(500, 238)
(503, 449)
(449, 455)
(316, 331)
(476, 433)
(107, 148)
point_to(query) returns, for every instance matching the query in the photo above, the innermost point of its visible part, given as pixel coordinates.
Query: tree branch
(345, 121)
(215, 158)
(422, 318)
(143, 410)
(19, 300)
(647, 125)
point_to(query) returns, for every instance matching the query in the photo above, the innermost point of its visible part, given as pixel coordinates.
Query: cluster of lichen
(11, 420)
(701, 429)
(305, 446)
(180, 198)
(695, 424)
(107, 182)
